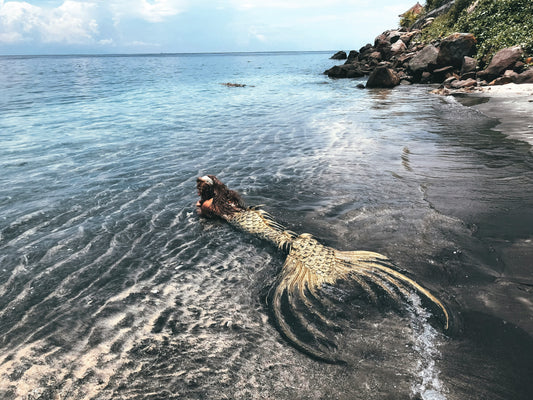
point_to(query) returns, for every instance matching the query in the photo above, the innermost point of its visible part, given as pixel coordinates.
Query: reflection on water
(112, 287)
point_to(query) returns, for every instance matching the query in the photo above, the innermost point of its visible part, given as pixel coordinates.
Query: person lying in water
(309, 267)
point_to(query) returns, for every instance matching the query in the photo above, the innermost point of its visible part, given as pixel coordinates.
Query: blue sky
(169, 26)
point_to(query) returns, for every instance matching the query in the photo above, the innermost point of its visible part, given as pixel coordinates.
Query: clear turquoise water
(112, 287)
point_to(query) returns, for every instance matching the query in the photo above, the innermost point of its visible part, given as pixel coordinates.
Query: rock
(525, 77)
(441, 74)
(365, 48)
(519, 67)
(380, 39)
(360, 86)
(448, 82)
(463, 84)
(424, 60)
(344, 71)
(406, 37)
(454, 48)
(382, 77)
(340, 55)
(502, 60)
(393, 36)
(469, 65)
(426, 77)
(502, 80)
(511, 74)
(229, 84)
(376, 55)
(384, 48)
(403, 59)
(398, 47)
(469, 75)
(353, 56)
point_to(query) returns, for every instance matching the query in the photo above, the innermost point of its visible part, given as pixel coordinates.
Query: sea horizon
(166, 53)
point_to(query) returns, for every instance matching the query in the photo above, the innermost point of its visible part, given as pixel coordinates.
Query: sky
(192, 26)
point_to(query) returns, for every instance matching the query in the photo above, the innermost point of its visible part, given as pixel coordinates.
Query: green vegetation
(496, 24)
(408, 19)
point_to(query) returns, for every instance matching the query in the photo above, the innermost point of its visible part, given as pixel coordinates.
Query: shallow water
(112, 287)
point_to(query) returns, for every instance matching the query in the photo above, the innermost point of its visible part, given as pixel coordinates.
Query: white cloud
(76, 22)
(72, 23)
(151, 11)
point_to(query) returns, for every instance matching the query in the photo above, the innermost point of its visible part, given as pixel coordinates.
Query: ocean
(112, 287)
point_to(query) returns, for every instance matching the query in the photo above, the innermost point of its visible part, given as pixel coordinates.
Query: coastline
(510, 104)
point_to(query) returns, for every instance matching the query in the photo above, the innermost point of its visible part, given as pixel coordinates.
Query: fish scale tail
(261, 224)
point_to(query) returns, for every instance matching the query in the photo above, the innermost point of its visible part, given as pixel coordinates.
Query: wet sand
(511, 104)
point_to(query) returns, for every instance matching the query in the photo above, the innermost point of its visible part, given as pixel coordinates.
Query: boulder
(365, 48)
(380, 39)
(511, 74)
(398, 47)
(353, 56)
(525, 77)
(393, 36)
(424, 60)
(344, 71)
(456, 84)
(454, 48)
(502, 60)
(384, 47)
(382, 77)
(340, 55)
(469, 65)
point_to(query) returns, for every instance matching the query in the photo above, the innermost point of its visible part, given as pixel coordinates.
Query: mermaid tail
(309, 267)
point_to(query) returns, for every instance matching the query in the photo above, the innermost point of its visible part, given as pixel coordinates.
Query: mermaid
(309, 268)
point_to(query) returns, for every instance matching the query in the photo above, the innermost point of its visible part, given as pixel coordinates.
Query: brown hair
(225, 201)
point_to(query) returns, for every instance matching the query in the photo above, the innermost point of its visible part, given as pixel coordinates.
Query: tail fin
(311, 265)
(378, 269)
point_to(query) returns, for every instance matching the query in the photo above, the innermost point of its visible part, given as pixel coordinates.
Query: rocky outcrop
(397, 57)
(340, 55)
(345, 71)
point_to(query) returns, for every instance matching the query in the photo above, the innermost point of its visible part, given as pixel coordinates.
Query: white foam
(428, 385)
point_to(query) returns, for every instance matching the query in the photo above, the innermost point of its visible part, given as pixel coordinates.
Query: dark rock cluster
(397, 57)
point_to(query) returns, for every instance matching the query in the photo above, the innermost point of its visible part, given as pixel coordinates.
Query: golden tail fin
(311, 265)
(377, 268)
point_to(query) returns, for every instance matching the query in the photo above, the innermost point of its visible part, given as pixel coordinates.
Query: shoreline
(510, 104)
